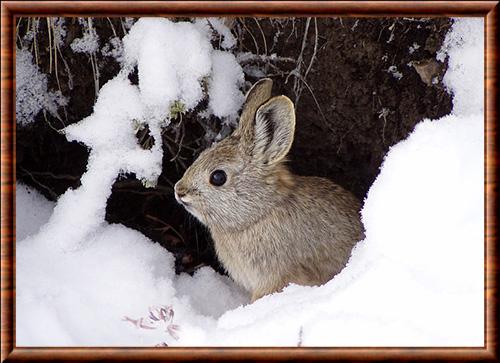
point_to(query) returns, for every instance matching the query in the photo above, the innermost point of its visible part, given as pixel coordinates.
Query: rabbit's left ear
(274, 129)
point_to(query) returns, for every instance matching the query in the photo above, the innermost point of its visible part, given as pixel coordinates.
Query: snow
(114, 275)
(128, 22)
(228, 39)
(166, 68)
(463, 45)
(32, 213)
(173, 60)
(114, 48)
(59, 26)
(416, 279)
(109, 133)
(32, 31)
(412, 48)
(89, 42)
(200, 289)
(393, 71)
(32, 95)
(225, 70)
(438, 160)
(117, 273)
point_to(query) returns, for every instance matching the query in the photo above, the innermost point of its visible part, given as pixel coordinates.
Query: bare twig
(49, 174)
(180, 147)
(242, 22)
(262, 35)
(41, 185)
(178, 159)
(301, 334)
(314, 98)
(313, 57)
(343, 136)
(112, 27)
(166, 226)
(59, 131)
(35, 41)
(49, 31)
(300, 80)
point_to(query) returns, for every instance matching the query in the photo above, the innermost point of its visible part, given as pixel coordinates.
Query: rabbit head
(232, 183)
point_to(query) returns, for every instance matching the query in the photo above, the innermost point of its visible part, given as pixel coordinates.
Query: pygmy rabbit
(270, 227)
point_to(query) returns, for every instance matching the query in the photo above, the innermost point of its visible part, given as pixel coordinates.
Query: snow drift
(416, 280)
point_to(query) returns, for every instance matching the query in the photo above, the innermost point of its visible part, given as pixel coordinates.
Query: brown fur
(270, 227)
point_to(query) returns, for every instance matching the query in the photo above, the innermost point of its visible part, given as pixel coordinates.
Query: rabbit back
(305, 239)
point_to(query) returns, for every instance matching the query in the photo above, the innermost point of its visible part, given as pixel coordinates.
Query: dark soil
(344, 133)
(351, 108)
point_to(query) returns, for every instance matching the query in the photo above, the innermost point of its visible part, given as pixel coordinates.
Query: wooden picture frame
(12, 9)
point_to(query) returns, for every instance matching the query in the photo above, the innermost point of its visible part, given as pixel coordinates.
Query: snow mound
(416, 280)
(436, 172)
(204, 290)
(82, 297)
(32, 212)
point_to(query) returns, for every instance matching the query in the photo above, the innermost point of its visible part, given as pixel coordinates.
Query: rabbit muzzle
(180, 193)
(183, 198)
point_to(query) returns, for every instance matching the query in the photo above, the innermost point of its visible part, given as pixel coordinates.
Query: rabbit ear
(274, 129)
(258, 94)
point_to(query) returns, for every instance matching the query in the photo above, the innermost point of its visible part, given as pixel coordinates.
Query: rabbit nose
(179, 192)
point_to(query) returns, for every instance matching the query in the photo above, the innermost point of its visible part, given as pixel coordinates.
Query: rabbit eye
(218, 178)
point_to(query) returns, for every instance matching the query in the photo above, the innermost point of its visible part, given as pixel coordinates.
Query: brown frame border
(11, 9)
